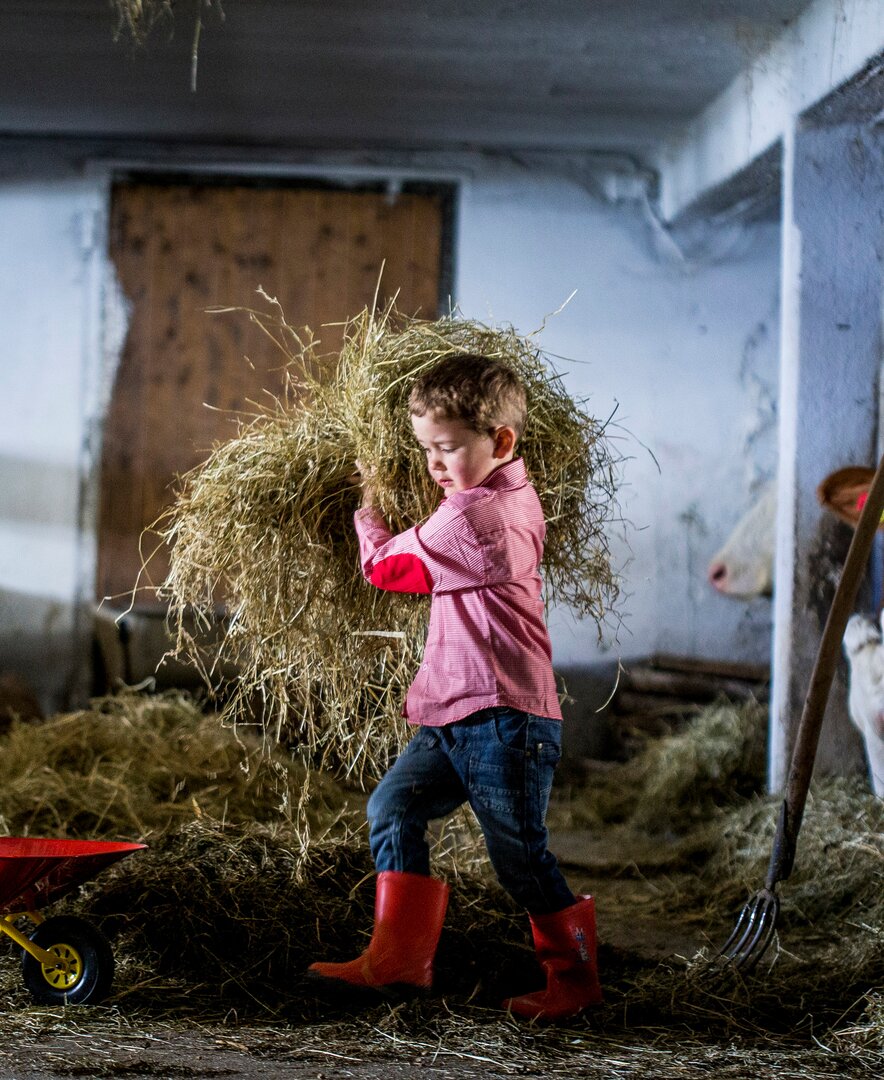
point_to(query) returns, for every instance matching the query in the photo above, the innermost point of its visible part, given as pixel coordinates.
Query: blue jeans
(499, 760)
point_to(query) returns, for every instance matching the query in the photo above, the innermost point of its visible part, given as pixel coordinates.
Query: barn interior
(681, 204)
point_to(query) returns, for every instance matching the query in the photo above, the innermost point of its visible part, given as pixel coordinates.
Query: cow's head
(743, 567)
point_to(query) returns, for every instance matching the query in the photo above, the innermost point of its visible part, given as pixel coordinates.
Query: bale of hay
(264, 526)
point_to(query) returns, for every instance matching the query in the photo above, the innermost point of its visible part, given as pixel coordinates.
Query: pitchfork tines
(757, 921)
(753, 932)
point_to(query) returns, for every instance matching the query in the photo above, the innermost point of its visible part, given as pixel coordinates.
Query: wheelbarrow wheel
(90, 961)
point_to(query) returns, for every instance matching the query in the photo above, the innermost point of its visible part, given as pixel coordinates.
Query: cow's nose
(718, 575)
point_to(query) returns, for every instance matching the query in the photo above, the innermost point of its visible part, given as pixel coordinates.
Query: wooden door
(179, 249)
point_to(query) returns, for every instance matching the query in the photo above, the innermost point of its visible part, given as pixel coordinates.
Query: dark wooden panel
(180, 249)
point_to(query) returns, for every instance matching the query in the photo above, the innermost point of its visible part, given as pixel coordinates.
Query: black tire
(86, 946)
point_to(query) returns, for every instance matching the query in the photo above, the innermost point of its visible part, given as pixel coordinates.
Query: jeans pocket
(510, 728)
(527, 734)
(545, 737)
(512, 766)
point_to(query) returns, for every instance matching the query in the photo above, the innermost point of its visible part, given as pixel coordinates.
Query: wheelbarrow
(66, 960)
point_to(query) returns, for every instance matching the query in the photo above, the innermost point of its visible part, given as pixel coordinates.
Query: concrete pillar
(831, 351)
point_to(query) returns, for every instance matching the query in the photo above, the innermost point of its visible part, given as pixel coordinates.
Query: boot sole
(341, 990)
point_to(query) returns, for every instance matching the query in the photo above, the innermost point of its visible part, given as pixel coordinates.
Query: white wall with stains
(684, 348)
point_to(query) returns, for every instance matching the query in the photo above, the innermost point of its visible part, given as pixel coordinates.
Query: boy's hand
(364, 476)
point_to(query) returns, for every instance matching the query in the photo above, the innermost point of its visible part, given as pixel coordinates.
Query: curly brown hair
(484, 393)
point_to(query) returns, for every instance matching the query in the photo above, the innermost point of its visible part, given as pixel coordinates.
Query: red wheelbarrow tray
(35, 872)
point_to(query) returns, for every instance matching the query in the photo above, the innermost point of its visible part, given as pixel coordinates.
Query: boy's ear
(504, 442)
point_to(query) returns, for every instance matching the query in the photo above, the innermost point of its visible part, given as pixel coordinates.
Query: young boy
(484, 700)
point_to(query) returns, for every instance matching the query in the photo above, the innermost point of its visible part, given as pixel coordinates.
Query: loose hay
(236, 914)
(219, 920)
(684, 809)
(265, 527)
(138, 18)
(717, 758)
(133, 767)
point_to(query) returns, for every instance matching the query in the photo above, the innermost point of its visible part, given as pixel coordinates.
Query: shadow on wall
(38, 536)
(39, 493)
(38, 646)
(587, 731)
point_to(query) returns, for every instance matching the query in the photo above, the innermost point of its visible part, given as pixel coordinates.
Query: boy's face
(458, 457)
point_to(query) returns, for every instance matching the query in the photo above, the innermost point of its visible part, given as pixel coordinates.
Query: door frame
(106, 315)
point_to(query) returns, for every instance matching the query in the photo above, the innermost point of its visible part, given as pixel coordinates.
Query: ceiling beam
(826, 46)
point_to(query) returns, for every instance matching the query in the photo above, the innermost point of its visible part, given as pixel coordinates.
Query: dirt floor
(441, 1036)
(162, 1052)
(214, 924)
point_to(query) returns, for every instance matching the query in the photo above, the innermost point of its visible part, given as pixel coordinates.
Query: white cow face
(743, 567)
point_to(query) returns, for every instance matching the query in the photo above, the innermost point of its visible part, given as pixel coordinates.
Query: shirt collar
(507, 477)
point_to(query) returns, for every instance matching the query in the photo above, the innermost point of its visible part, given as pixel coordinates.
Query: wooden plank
(647, 680)
(629, 703)
(180, 249)
(122, 451)
(426, 254)
(728, 669)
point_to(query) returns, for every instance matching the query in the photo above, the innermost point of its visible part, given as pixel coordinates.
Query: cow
(743, 569)
(864, 650)
(743, 566)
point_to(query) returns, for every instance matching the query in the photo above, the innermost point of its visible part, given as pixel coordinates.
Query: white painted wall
(687, 349)
(45, 226)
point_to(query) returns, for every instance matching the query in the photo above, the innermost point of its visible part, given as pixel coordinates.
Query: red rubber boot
(565, 943)
(409, 910)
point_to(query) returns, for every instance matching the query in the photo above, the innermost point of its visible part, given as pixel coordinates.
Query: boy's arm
(442, 555)
(386, 563)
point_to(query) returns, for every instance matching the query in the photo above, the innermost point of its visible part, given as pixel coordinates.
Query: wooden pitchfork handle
(804, 753)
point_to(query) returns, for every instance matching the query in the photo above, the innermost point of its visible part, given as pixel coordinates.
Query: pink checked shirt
(478, 555)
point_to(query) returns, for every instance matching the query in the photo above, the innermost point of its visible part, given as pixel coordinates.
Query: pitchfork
(757, 922)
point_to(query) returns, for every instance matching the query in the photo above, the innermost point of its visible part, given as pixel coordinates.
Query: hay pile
(219, 918)
(716, 758)
(133, 767)
(687, 813)
(829, 952)
(265, 527)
